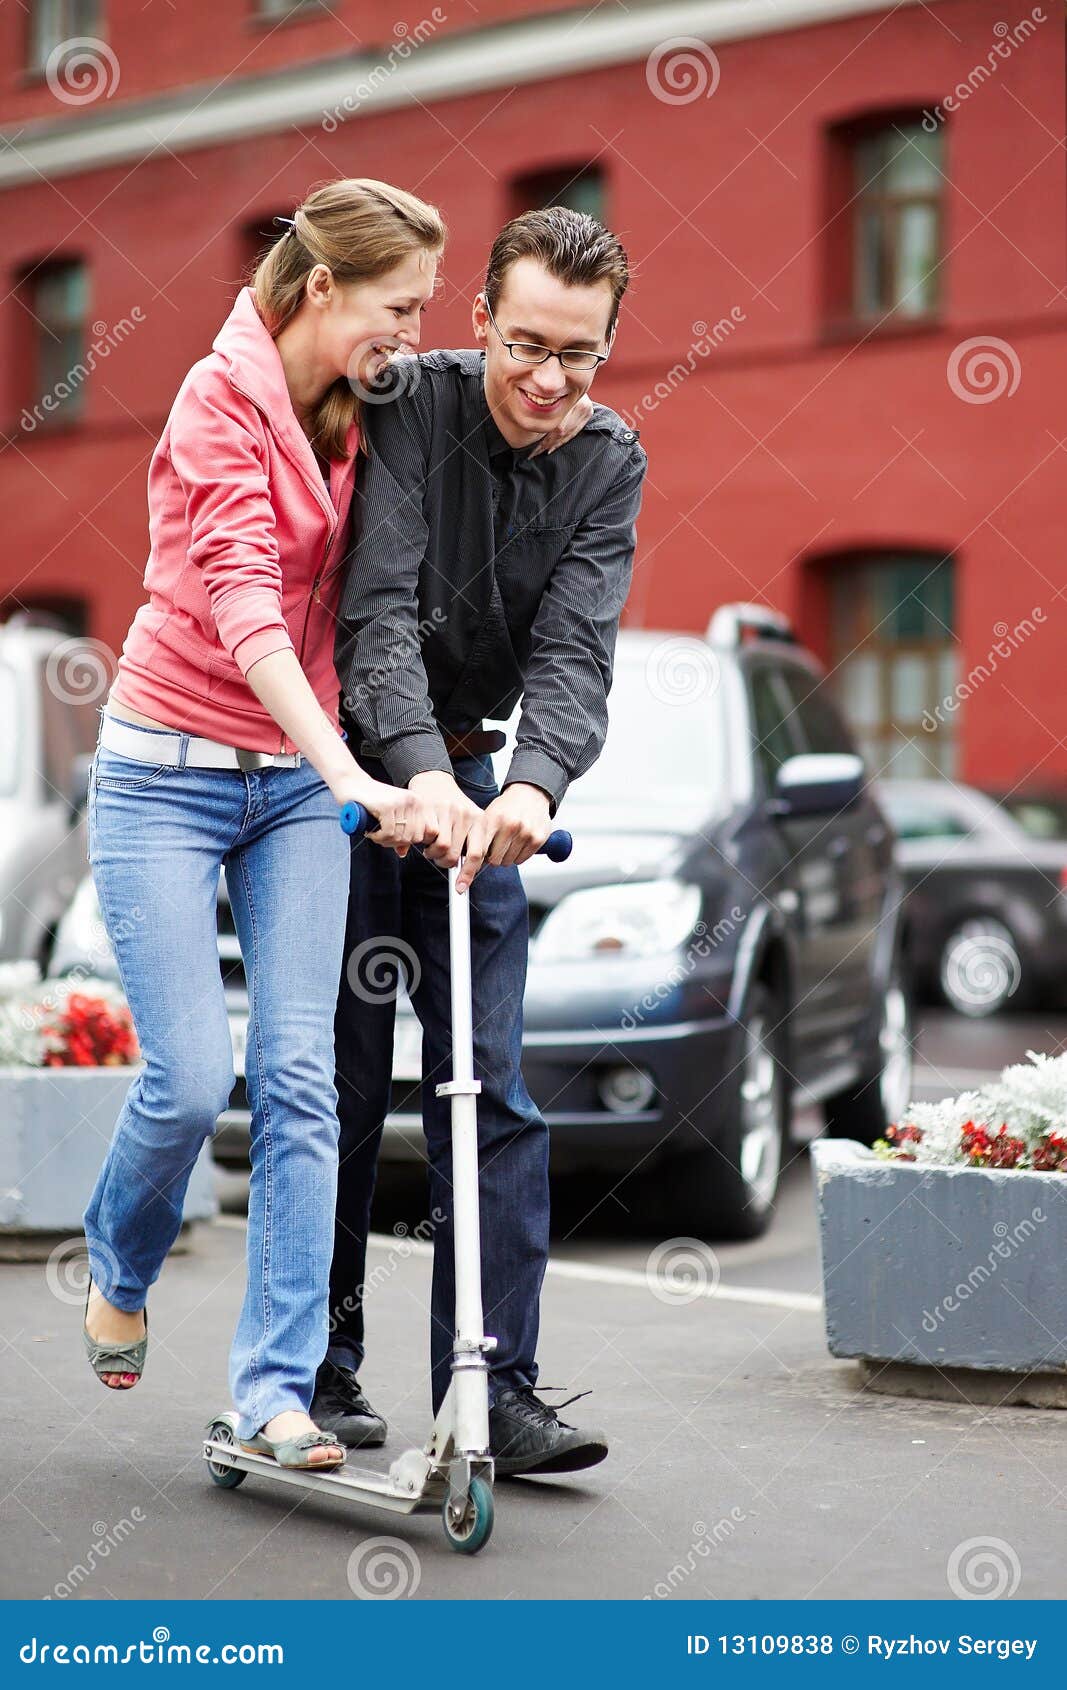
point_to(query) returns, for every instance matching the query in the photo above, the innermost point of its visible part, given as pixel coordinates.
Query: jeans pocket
(112, 771)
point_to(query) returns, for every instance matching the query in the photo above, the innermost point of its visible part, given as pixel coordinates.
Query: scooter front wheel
(471, 1531)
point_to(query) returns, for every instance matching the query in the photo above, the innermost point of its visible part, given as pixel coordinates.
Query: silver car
(50, 683)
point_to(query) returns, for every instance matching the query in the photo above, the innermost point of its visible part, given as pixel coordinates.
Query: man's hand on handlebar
(511, 830)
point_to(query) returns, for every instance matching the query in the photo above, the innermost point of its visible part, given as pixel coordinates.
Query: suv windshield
(666, 736)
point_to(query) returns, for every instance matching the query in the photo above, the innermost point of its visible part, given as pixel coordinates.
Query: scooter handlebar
(357, 821)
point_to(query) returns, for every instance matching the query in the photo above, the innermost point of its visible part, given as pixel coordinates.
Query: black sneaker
(526, 1436)
(340, 1407)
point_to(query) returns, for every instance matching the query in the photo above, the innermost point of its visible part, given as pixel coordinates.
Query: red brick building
(846, 343)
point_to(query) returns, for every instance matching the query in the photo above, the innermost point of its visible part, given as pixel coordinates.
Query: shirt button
(629, 435)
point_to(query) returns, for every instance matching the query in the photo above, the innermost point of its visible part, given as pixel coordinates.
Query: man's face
(530, 400)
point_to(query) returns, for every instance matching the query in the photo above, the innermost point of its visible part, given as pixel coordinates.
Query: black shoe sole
(586, 1454)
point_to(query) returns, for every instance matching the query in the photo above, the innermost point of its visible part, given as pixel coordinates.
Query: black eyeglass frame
(567, 351)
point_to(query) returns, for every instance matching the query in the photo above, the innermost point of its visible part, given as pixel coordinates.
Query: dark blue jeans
(398, 919)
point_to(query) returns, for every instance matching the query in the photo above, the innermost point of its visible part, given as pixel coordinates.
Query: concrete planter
(942, 1267)
(55, 1125)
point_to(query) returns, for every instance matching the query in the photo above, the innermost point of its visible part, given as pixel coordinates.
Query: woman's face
(365, 322)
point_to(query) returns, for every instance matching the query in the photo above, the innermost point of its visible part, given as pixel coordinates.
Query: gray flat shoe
(115, 1358)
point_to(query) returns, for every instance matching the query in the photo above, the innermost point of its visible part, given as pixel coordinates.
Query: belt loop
(183, 749)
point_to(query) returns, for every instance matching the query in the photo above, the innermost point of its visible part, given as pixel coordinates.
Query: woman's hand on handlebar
(404, 819)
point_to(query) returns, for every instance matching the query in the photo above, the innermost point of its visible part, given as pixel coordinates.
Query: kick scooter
(454, 1472)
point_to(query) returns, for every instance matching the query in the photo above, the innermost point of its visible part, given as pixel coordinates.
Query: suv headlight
(640, 918)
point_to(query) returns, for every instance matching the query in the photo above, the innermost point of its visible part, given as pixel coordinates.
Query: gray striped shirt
(479, 576)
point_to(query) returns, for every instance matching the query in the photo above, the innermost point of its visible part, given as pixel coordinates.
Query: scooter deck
(352, 1484)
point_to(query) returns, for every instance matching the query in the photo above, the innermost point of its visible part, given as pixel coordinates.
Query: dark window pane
(773, 735)
(815, 718)
(579, 187)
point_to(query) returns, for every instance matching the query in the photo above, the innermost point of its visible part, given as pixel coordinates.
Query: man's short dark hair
(572, 246)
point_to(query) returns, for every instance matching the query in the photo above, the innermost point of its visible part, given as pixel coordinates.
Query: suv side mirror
(817, 784)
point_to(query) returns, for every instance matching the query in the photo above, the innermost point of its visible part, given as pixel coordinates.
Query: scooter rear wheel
(222, 1474)
(472, 1531)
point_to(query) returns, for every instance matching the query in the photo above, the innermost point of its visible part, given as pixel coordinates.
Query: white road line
(756, 1296)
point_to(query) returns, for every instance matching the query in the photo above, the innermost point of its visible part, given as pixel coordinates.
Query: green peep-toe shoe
(294, 1452)
(114, 1358)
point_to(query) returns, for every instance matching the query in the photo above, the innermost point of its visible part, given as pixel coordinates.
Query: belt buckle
(251, 759)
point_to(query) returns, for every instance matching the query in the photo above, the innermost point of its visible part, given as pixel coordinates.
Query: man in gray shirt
(481, 574)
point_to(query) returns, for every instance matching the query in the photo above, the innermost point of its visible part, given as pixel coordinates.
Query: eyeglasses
(526, 352)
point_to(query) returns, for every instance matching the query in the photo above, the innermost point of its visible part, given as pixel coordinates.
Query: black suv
(724, 939)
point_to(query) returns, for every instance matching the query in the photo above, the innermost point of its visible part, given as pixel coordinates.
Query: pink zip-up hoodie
(247, 547)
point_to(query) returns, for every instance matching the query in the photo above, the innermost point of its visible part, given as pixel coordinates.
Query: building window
(894, 661)
(579, 187)
(884, 227)
(51, 22)
(56, 297)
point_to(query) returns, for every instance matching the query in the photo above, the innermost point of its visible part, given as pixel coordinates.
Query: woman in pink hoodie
(220, 747)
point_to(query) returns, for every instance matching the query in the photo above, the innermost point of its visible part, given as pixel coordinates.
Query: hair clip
(288, 223)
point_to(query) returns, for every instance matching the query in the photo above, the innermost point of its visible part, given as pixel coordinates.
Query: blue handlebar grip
(354, 818)
(558, 846)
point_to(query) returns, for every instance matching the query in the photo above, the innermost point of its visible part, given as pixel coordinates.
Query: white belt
(187, 751)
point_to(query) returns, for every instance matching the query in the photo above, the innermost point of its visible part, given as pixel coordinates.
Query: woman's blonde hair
(359, 229)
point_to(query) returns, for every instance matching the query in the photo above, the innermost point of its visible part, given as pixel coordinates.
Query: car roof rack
(741, 624)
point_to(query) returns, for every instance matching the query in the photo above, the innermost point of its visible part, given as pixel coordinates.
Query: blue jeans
(398, 917)
(157, 839)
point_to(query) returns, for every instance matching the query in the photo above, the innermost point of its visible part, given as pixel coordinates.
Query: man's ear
(480, 319)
